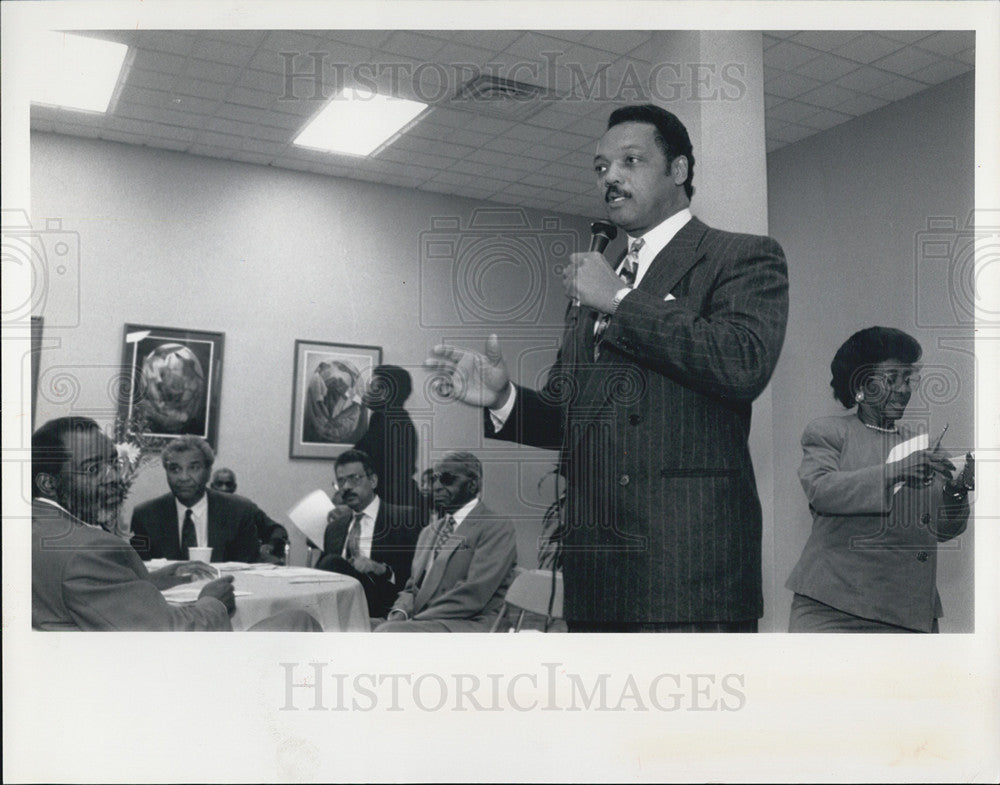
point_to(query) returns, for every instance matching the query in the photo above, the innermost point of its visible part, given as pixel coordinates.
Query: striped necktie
(444, 532)
(354, 537)
(630, 266)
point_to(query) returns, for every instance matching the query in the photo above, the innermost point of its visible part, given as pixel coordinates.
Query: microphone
(601, 233)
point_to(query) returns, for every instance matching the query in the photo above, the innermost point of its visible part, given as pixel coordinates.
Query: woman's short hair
(854, 359)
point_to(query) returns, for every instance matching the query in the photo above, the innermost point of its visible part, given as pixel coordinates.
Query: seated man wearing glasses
(375, 543)
(464, 561)
(83, 577)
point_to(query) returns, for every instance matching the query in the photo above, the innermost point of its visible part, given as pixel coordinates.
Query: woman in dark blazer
(881, 499)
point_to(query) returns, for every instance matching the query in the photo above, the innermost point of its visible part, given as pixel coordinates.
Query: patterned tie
(354, 537)
(630, 266)
(188, 537)
(447, 527)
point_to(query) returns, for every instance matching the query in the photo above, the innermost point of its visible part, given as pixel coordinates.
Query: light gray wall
(268, 256)
(851, 208)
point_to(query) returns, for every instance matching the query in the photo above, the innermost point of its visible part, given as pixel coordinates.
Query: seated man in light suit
(375, 544)
(464, 561)
(83, 577)
(192, 515)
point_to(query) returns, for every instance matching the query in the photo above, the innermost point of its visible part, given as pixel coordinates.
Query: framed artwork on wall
(174, 381)
(328, 414)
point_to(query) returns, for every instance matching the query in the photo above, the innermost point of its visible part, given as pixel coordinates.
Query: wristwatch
(619, 296)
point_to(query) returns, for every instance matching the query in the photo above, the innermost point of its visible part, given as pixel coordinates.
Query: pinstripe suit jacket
(663, 521)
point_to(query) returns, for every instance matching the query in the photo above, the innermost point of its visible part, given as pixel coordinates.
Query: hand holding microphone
(588, 278)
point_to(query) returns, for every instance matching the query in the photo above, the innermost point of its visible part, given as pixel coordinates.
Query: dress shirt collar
(656, 240)
(367, 534)
(199, 512)
(463, 512)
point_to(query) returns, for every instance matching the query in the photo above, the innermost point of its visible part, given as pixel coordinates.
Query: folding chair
(530, 593)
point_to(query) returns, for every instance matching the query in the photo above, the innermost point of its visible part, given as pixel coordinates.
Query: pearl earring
(859, 396)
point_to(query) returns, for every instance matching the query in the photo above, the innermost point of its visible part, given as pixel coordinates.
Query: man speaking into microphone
(649, 399)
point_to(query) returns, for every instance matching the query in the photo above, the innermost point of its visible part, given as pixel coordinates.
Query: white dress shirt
(369, 513)
(199, 513)
(656, 240)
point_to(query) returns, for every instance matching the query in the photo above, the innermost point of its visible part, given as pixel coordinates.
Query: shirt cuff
(499, 416)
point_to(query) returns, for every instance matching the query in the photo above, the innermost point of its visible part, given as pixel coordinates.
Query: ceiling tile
(906, 61)
(159, 61)
(825, 40)
(789, 85)
(494, 40)
(828, 96)
(404, 42)
(788, 56)
(860, 104)
(173, 42)
(218, 52)
(941, 71)
(617, 41)
(905, 36)
(867, 47)
(967, 56)
(949, 42)
(826, 67)
(900, 88)
(865, 79)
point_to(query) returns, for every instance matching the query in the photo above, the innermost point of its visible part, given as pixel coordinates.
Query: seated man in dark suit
(191, 515)
(273, 536)
(464, 560)
(375, 544)
(83, 577)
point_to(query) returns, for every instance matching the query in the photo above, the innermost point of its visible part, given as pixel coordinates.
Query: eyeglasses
(896, 378)
(351, 479)
(446, 478)
(98, 468)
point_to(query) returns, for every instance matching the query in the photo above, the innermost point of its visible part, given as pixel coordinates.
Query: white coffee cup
(200, 554)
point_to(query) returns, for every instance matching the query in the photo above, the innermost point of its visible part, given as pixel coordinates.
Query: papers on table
(309, 515)
(300, 574)
(188, 592)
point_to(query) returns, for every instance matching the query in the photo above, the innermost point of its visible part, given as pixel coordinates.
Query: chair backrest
(530, 591)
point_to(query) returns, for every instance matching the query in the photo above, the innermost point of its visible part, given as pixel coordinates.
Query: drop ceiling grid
(223, 94)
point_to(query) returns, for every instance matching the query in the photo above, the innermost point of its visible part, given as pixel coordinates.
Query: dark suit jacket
(465, 585)
(663, 522)
(393, 542)
(232, 528)
(83, 578)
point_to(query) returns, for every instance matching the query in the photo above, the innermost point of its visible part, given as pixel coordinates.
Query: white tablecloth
(336, 601)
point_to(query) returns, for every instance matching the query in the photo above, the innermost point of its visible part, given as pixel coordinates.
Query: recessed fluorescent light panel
(74, 72)
(358, 122)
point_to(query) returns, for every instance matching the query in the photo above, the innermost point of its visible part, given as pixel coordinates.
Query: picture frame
(174, 381)
(328, 415)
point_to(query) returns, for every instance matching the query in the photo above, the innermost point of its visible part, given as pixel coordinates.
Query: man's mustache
(613, 192)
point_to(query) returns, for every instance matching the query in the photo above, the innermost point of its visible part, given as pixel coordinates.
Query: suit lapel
(435, 573)
(674, 260)
(380, 533)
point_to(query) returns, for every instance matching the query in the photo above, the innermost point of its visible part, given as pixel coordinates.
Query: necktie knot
(631, 264)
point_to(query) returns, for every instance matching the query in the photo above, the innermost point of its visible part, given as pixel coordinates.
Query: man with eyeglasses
(464, 562)
(375, 543)
(193, 515)
(83, 577)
